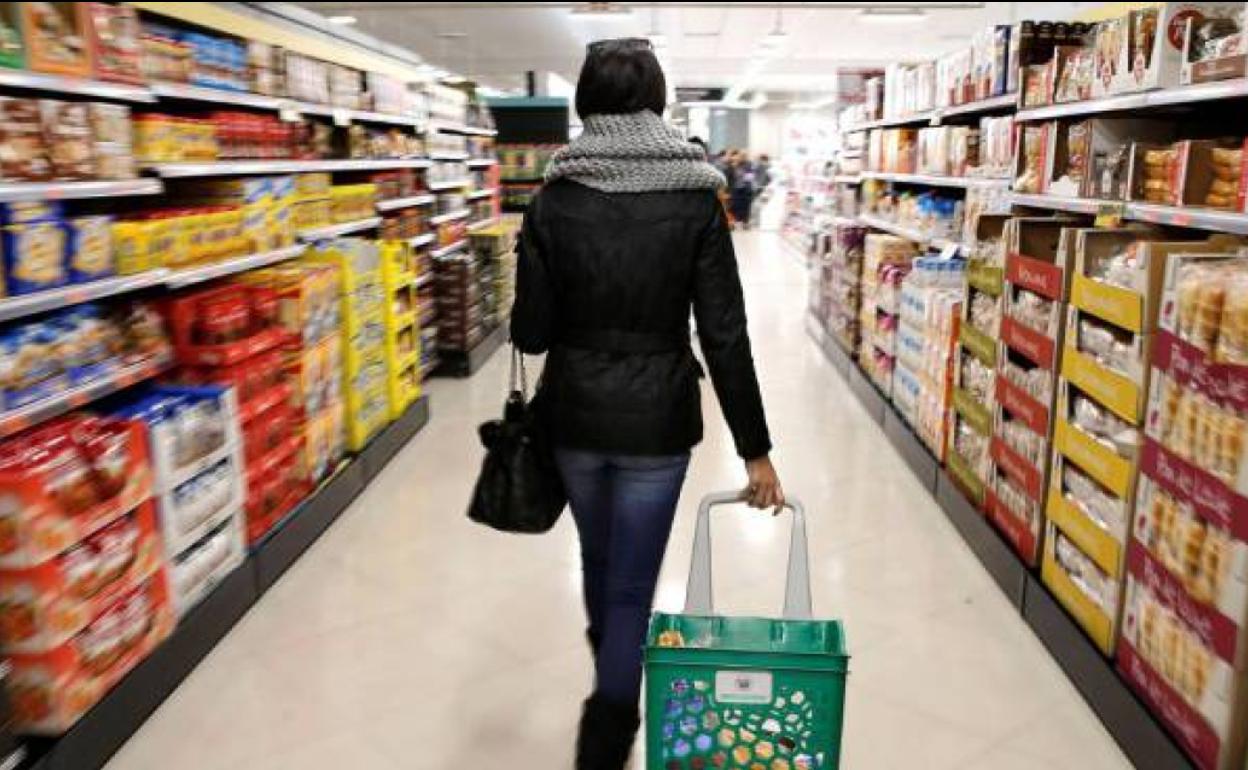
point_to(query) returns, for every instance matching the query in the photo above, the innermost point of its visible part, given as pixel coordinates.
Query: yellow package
(131, 247)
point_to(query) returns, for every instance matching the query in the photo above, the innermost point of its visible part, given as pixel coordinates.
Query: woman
(742, 189)
(626, 236)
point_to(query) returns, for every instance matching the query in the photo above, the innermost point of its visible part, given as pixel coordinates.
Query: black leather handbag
(519, 489)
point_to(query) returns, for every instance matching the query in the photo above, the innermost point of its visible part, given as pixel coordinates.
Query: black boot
(606, 735)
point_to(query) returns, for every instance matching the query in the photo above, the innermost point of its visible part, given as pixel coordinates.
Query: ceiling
(704, 44)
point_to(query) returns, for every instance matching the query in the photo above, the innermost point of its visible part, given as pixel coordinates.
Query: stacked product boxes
(402, 326)
(886, 260)
(362, 298)
(931, 300)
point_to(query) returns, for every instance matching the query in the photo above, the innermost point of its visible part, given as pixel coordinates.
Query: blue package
(28, 354)
(89, 248)
(30, 212)
(84, 342)
(34, 257)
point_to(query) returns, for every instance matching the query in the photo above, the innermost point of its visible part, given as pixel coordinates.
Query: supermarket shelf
(919, 118)
(178, 278)
(460, 128)
(458, 363)
(1141, 737)
(1175, 216)
(345, 228)
(187, 92)
(449, 249)
(923, 464)
(453, 184)
(847, 179)
(449, 157)
(1166, 97)
(421, 240)
(487, 192)
(481, 224)
(995, 104)
(17, 420)
(909, 233)
(482, 162)
(101, 732)
(38, 81)
(366, 116)
(243, 167)
(423, 279)
(52, 191)
(29, 304)
(402, 203)
(960, 182)
(450, 216)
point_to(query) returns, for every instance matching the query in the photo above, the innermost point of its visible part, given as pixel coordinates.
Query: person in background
(762, 171)
(741, 189)
(623, 239)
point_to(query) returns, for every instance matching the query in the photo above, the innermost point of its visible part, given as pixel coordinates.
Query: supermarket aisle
(408, 638)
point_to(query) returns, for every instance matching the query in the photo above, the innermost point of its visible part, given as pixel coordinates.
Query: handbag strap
(517, 367)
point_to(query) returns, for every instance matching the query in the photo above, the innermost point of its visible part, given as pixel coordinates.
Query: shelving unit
(450, 216)
(447, 250)
(961, 182)
(66, 84)
(402, 203)
(1175, 216)
(421, 240)
(483, 193)
(54, 191)
(248, 167)
(176, 279)
(344, 228)
(40, 302)
(453, 184)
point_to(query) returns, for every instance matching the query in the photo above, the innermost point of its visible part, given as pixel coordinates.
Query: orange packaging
(51, 690)
(43, 607)
(55, 490)
(57, 37)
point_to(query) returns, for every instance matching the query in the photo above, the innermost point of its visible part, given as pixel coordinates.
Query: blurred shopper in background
(627, 235)
(741, 188)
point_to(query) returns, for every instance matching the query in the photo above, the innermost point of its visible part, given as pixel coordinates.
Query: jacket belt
(613, 341)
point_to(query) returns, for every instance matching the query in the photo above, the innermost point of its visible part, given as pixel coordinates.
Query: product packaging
(57, 37)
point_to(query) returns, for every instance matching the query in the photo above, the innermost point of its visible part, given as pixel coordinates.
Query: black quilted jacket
(605, 283)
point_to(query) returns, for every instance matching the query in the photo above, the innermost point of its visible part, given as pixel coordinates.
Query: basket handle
(698, 594)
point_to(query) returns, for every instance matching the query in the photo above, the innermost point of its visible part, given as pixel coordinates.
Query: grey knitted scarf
(636, 152)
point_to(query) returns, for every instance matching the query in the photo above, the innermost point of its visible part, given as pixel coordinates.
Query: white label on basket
(751, 687)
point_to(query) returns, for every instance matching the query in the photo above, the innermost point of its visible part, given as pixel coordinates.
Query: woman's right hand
(764, 490)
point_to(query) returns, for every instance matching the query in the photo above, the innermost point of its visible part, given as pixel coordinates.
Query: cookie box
(31, 212)
(316, 374)
(1194, 557)
(57, 37)
(115, 42)
(1037, 275)
(51, 690)
(34, 257)
(42, 607)
(21, 130)
(1214, 47)
(1200, 698)
(1142, 50)
(268, 430)
(188, 429)
(89, 248)
(1015, 515)
(1087, 592)
(70, 142)
(65, 480)
(307, 298)
(324, 433)
(197, 505)
(12, 52)
(196, 572)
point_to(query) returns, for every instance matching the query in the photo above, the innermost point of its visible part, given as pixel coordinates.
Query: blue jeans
(623, 506)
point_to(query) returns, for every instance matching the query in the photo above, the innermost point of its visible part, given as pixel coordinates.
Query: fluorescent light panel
(344, 20)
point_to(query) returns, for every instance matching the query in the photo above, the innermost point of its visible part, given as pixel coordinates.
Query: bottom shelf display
(1136, 729)
(170, 640)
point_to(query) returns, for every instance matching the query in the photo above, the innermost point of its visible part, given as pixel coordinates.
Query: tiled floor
(410, 639)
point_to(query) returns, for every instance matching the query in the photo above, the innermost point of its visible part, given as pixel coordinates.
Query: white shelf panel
(189, 92)
(1174, 216)
(460, 128)
(1166, 97)
(1002, 102)
(481, 224)
(453, 184)
(847, 178)
(448, 157)
(962, 182)
(244, 167)
(450, 216)
(485, 193)
(420, 240)
(334, 231)
(51, 191)
(38, 81)
(402, 203)
(193, 275)
(1058, 203)
(482, 162)
(451, 248)
(909, 233)
(40, 302)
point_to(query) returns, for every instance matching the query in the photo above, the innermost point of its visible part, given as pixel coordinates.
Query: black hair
(620, 76)
(699, 141)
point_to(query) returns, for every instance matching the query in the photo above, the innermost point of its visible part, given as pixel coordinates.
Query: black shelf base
(1142, 738)
(90, 743)
(461, 364)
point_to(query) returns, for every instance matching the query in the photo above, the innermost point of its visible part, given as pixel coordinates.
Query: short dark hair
(620, 76)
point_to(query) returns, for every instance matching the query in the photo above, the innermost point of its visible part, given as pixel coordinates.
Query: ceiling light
(892, 15)
(342, 20)
(602, 11)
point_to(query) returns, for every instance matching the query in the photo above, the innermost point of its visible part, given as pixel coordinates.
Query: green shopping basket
(750, 693)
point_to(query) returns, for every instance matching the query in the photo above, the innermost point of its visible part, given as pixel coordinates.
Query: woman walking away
(742, 190)
(624, 238)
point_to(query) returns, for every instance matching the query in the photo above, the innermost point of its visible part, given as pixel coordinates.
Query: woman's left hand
(764, 490)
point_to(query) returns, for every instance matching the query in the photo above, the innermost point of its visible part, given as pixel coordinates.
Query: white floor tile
(408, 638)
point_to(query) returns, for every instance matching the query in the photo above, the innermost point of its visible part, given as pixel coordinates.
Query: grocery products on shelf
(886, 260)
(930, 304)
(402, 322)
